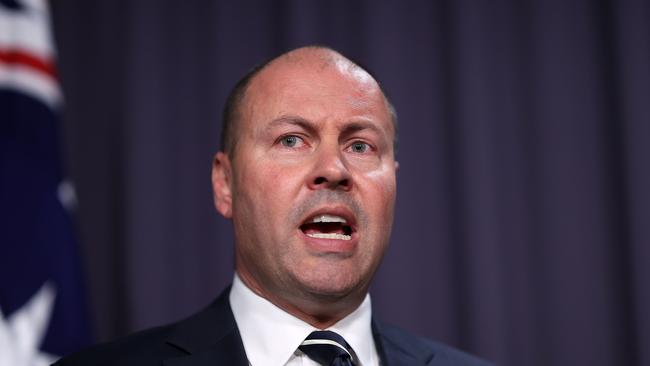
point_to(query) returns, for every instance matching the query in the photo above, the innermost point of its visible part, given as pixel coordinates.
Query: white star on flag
(22, 332)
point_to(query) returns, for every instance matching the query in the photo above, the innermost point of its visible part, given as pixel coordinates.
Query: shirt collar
(271, 335)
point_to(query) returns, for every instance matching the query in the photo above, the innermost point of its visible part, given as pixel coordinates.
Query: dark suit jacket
(211, 338)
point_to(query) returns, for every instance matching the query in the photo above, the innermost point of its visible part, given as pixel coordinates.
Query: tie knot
(327, 348)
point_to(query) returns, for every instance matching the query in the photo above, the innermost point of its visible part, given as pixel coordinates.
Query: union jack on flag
(42, 305)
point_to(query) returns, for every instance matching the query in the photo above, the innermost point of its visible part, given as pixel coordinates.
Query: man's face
(312, 182)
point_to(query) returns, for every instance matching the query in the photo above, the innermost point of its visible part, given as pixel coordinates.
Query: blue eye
(359, 147)
(290, 141)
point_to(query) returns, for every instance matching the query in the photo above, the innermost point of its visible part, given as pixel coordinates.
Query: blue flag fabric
(43, 311)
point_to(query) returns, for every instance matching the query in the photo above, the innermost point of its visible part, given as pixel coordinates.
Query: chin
(332, 285)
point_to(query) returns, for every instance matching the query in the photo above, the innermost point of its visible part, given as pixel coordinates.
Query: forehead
(316, 88)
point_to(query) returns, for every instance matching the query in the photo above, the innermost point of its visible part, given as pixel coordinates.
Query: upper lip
(340, 211)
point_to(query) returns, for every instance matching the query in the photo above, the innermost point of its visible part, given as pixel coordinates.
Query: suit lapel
(399, 349)
(228, 351)
(210, 337)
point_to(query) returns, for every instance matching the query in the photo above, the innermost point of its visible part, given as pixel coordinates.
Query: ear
(396, 165)
(222, 184)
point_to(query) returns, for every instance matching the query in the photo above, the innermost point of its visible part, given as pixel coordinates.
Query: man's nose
(330, 171)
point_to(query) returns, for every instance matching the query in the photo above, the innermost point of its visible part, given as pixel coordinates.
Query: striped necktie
(327, 348)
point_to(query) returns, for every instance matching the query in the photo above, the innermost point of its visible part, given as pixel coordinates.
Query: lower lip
(331, 245)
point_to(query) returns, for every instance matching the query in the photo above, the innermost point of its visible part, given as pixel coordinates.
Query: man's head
(308, 177)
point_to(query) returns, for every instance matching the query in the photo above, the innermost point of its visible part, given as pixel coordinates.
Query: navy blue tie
(327, 348)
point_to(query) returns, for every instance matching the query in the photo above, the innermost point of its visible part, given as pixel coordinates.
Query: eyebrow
(292, 120)
(349, 128)
(356, 126)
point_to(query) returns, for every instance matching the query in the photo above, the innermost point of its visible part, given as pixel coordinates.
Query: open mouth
(328, 226)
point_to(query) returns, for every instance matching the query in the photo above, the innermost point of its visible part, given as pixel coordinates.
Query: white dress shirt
(271, 336)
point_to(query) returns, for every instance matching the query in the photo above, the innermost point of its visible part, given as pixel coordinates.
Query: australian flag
(42, 306)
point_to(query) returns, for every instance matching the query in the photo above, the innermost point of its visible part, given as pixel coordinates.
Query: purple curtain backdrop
(522, 227)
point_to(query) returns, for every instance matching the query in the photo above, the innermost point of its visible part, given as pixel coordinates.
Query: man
(307, 175)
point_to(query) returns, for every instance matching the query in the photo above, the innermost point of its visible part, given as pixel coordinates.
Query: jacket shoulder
(210, 328)
(400, 343)
(148, 347)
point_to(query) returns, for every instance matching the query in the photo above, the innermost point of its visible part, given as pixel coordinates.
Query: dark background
(522, 225)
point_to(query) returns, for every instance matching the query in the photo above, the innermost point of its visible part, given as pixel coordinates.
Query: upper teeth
(328, 218)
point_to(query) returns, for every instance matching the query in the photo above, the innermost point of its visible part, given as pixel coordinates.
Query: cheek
(248, 205)
(384, 189)
(255, 175)
(266, 193)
